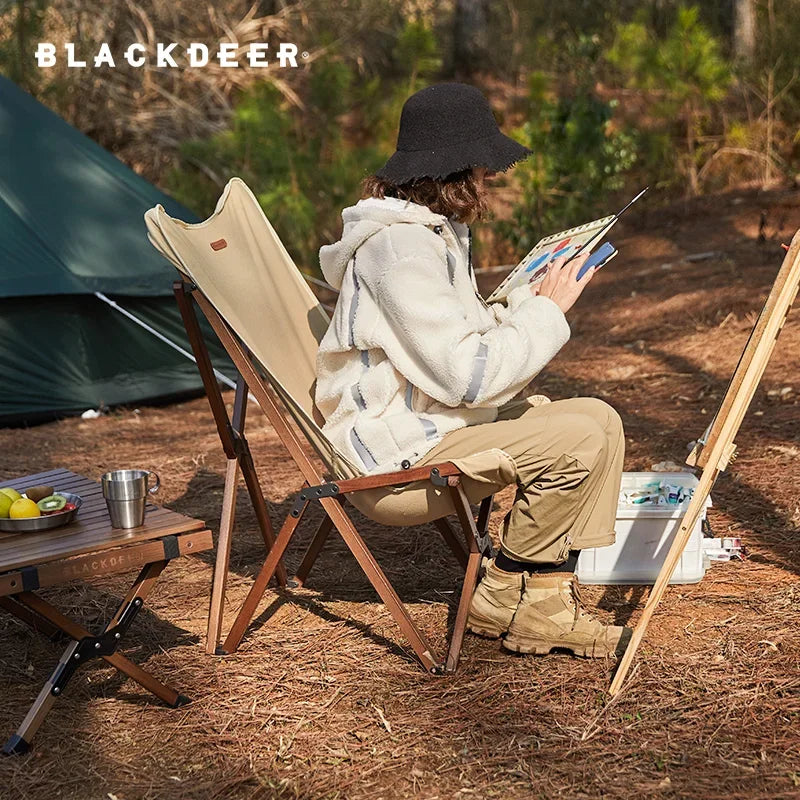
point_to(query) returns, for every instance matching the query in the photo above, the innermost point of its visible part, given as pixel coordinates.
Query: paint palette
(532, 269)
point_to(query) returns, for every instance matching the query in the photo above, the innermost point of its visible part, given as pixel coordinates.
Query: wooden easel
(715, 450)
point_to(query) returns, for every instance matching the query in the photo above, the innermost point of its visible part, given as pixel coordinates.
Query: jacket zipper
(437, 229)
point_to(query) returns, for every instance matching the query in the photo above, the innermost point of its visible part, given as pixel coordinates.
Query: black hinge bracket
(313, 493)
(436, 478)
(30, 579)
(171, 547)
(90, 647)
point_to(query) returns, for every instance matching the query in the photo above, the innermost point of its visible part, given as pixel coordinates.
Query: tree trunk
(770, 126)
(694, 182)
(744, 29)
(470, 37)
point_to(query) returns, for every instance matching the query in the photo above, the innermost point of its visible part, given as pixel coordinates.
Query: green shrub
(305, 164)
(578, 159)
(684, 73)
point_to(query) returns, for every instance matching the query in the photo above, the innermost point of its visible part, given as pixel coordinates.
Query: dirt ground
(324, 701)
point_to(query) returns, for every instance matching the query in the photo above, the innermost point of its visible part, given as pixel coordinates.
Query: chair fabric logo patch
(220, 244)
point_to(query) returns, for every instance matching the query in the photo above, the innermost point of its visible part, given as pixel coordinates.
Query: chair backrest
(237, 261)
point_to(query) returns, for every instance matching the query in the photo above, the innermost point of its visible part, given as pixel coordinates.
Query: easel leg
(716, 451)
(696, 505)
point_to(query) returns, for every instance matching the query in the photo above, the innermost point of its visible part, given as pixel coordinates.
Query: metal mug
(125, 491)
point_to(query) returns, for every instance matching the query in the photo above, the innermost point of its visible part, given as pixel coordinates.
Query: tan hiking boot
(495, 600)
(550, 615)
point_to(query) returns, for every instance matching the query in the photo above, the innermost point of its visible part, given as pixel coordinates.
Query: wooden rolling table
(88, 546)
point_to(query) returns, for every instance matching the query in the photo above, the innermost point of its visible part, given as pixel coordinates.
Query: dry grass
(323, 700)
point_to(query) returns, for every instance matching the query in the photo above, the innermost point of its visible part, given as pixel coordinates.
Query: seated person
(417, 368)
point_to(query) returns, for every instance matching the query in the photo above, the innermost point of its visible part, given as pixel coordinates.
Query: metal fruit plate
(47, 521)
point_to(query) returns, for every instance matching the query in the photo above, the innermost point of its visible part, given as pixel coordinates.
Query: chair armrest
(398, 478)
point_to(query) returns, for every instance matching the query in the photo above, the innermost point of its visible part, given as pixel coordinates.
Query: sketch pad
(533, 268)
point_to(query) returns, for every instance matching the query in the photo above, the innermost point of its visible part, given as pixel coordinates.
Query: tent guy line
(117, 307)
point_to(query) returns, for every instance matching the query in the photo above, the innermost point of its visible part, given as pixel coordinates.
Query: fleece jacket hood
(363, 220)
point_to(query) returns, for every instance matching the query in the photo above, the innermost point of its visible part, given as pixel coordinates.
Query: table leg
(20, 742)
(84, 647)
(33, 620)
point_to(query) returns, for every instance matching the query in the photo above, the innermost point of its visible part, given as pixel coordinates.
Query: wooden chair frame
(329, 493)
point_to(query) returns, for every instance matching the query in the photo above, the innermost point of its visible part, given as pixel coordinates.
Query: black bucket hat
(446, 128)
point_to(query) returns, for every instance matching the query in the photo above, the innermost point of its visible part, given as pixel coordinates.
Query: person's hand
(561, 284)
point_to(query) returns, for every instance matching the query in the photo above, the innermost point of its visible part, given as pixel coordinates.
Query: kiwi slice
(37, 493)
(55, 502)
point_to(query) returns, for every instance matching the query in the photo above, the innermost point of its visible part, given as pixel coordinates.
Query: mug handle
(155, 487)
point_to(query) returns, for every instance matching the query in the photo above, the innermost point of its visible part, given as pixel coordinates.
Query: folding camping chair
(237, 271)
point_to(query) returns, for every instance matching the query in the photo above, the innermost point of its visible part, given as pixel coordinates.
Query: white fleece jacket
(413, 351)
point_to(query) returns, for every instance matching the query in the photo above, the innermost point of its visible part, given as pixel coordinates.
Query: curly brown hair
(458, 195)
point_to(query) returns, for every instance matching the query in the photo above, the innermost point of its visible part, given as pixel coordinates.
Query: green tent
(73, 243)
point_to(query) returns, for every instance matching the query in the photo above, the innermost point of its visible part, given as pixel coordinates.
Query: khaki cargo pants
(568, 455)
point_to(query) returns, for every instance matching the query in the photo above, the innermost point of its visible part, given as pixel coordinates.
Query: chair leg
(469, 554)
(461, 504)
(453, 542)
(221, 565)
(460, 625)
(314, 548)
(260, 507)
(237, 631)
(381, 584)
(367, 562)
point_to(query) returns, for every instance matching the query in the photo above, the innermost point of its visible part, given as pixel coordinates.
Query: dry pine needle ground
(323, 700)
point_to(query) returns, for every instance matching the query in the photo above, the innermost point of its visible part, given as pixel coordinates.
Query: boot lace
(577, 602)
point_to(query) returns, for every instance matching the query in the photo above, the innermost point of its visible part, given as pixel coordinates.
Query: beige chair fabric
(241, 266)
(237, 260)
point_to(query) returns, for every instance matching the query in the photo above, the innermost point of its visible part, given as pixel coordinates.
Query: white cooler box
(644, 536)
